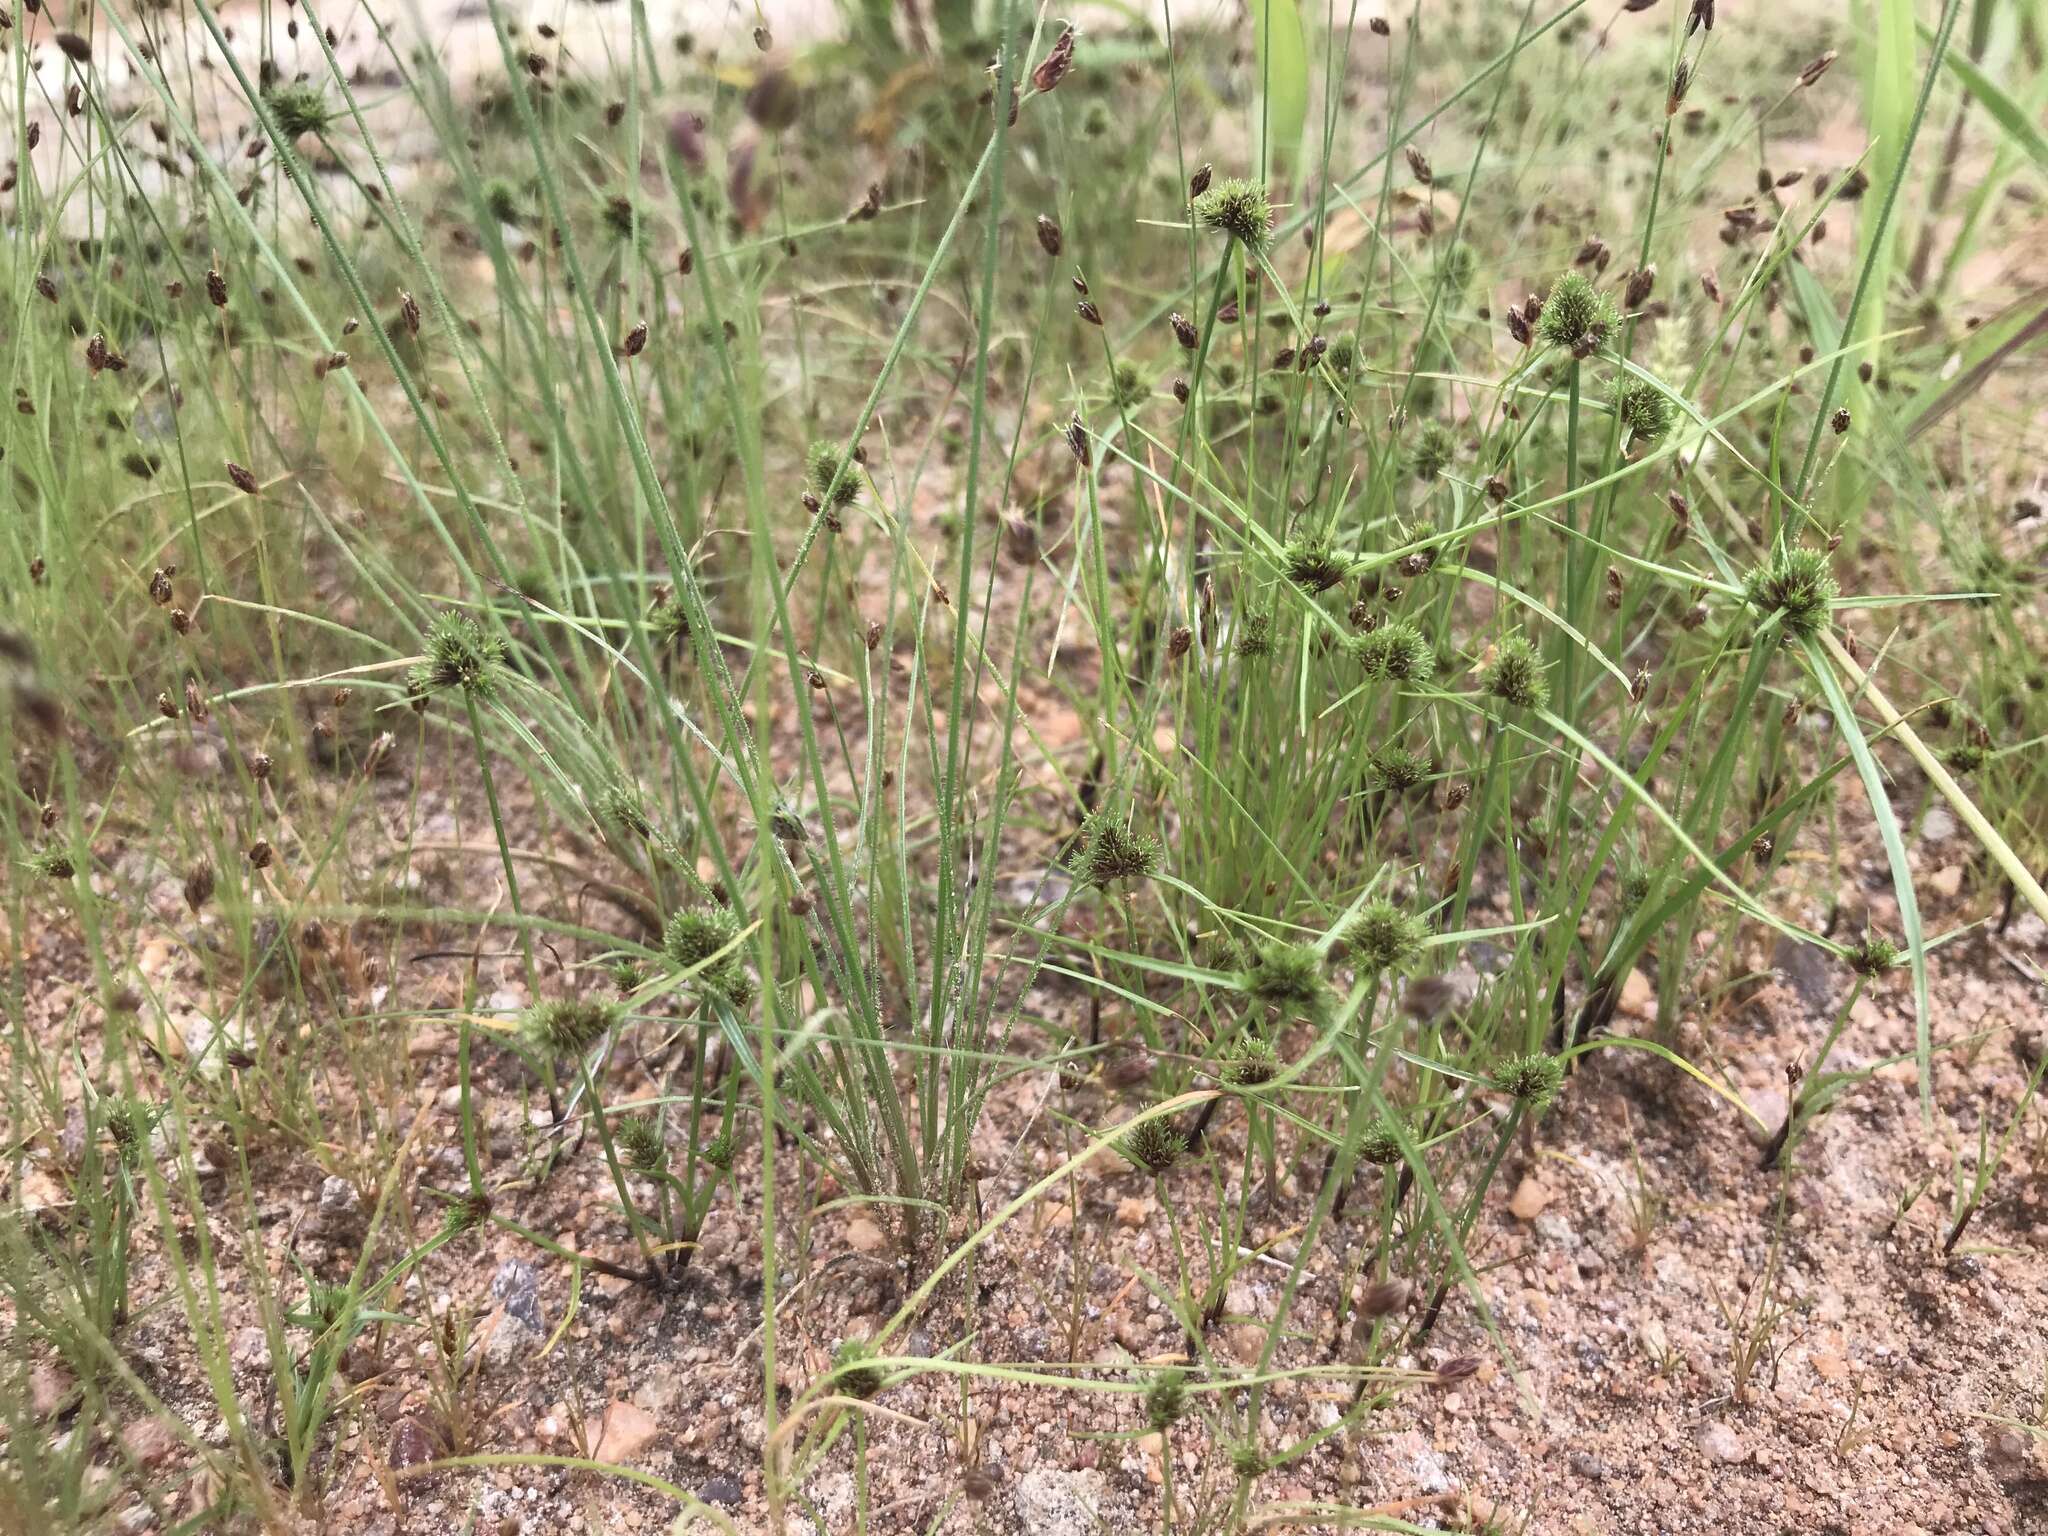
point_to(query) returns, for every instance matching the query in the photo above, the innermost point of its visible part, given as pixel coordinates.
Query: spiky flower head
(1255, 634)
(1128, 386)
(1342, 356)
(1313, 566)
(461, 653)
(855, 1374)
(298, 109)
(1533, 1078)
(829, 482)
(567, 1026)
(1254, 1063)
(618, 806)
(1114, 852)
(1873, 956)
(52, 863)
(1634, 888)
(1575, 311)
(695, 934)
(130, 1122)
(1397, 650)
(1239, 209)
(640, 1144)
(1287, 976)
(466, 1213)
(1396, 770)
(1382, 937)
(1435, 446)
(1380, 1146)
(1166, 1399)
(1152, 1146)
(668, 626)
(1964, 757)
(1797, 587)
(1515, 674)
(719, 1151)
(501, 200)
(1643, 410)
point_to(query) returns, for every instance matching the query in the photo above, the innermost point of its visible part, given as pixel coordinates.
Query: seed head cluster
(1514, 675)
(1576, 314)
(1797, 588)
(1382, 937)
(1239, 209)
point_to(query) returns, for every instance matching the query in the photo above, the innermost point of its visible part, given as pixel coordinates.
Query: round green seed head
(1533, 1079)
(1643, 409)
(1382, 937)
(1574, 311)
(1515, 674)
(1798, 588)
(1239, 209)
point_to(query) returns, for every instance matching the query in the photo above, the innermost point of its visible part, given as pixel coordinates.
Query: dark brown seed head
(1184, 330)
(1840, 420)
(1518, 327)
(1419, 165)
(1641, 284)
(1460, 1368)
(1180, 390)
(1087, 311)
(160, 584)
(636, 339)
(1198, 183)
(1052, 69)
(1049, 238)
(244, 481)
(1178, 642)
(74, 47)
(216, 288)
(409, 313)
(260, 854)
(1379, 28)
(199, 885)
(1812, 73)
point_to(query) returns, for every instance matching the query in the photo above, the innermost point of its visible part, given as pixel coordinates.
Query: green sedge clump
(1286, 976)
(852, 1368)
(466, 1213)
(1239, 209)
(52, 864)
(567, 1026)
(1382, 937)
(1253, 1063)
(640, 1144)
(719, 1151)
(1533, 1079)
(298, 109)
(1128, 386)
(1514, 675)
(1152, 1146)
(700, 936)
(1396, 770)
(668, 626)
(1166, 1399)
(1797, 588)
(619, 808)
(501, 200)
(1255, 635)
(835, 485)
(1576, 315)
(1874, 956)
(130, 1122)
(1380, 1146)
(1643, 410)
(623, 221)
(1114, 852)
(1964, 757)
(460, 654)
(1313, 566)
(1397, 650)
(1435, 447)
